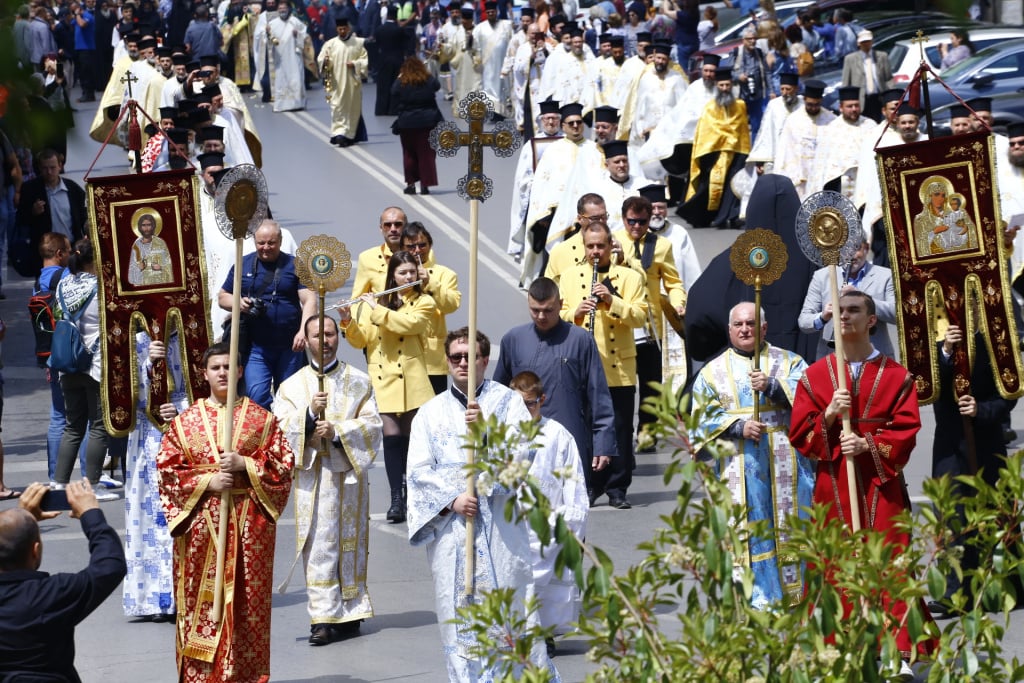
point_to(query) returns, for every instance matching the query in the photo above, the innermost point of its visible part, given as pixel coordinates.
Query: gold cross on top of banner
(920, 39)
(504, 139)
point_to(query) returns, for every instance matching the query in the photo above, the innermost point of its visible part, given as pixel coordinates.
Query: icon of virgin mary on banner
(946, 243)
(152, 278)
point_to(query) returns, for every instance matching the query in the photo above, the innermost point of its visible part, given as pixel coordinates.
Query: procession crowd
(601, 226)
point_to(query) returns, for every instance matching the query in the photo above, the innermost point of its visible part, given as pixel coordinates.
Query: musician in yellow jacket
(393, 331)
(616, 297)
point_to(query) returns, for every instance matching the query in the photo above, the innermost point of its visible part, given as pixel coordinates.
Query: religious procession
(671, 200)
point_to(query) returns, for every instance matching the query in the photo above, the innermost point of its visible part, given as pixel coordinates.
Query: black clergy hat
(849, 92)
(980, 104)
(211, 133)
(661, 48)
(209, 60)
(163, 51)
(193, 66)
(187, 106)
(168, 112)
(341, 21)
(467, 13)
(712, 59)
(203, 98)
(179, 59)
(219, 175)
(723, 73)
(393, 12)
(490, 4)
(644, 37)
(571, 109)
(178, 136)
(133, 36)
(606, 114)
(615, 148)
(549, 106)
(653, 193)
(891, 95)
(959, 111)
(1015, 130)
(147, 43)
(557, 19)
(211, 159)
(907, 109)
(789, 79)
(604, 38)
(814, 89)
(527, 12)
(618, 41)
(199, 116)
(212, 90)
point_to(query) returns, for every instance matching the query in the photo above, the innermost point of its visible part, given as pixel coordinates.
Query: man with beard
(1010, 170)
(800, 141)
(287, 35)
(527, 68)
(720, 147)
(609, 68)
(113, 94)
(344, 61)
(164, 61)
(667, 151)
(174, 89)
(458, 52)
(765, 146)
(841, 143)
(570, 74)
(549, 123)
(867, 193)
(657, 92)
(618, 181)
(959, 119)
(490, 43)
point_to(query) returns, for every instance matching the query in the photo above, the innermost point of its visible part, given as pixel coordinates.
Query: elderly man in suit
(870, 71)
(862, 275)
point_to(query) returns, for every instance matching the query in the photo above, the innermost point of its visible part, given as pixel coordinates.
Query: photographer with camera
(274, 304)
(39, 611)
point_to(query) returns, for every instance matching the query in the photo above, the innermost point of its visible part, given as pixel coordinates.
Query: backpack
(67, 350)
(805, 64)
(40, 311)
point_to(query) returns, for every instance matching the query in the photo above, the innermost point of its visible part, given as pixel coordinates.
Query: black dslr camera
(257, 307)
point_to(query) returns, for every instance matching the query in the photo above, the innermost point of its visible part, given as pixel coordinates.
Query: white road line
(392, 181)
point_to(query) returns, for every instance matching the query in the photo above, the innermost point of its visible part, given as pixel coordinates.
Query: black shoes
(619, 503)
(550, 643)
(320, 634)
(409, 189)
(396, 513)
(424, 189)
(324, 634)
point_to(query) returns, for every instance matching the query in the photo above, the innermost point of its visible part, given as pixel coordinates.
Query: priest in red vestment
(881, 401)
(194, 471)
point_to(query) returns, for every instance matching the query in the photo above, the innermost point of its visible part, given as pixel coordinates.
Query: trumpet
(377, 295)
(593, 311)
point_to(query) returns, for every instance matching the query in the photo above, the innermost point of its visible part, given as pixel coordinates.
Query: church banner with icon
(945, 241)
(152, 278)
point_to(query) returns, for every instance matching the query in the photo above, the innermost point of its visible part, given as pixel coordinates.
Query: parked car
(1007, 108)
(993, 71)
(905, 55)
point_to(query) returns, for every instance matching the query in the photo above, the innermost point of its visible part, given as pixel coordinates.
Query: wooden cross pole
(134, 131)
(447, 139)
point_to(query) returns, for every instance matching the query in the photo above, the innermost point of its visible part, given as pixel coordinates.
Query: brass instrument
(399, 288)
(593, 311)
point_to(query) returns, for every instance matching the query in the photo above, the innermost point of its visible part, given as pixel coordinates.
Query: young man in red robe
(881, 401)
(194, 471)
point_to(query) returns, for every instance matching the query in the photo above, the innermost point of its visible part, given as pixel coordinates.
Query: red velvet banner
(152, 278)
(945, 242)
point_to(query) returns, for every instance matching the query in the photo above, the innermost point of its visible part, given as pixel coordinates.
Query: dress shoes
(409, 189)
(396, 513)
(320, 634)
(619, 503)
(424, 190)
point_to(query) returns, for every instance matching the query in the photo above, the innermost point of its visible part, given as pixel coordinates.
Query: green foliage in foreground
(682, 613)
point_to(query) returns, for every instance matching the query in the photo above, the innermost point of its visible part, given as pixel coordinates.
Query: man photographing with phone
(39, 611)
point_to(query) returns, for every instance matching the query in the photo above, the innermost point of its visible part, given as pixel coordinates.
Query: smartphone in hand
(55, 500)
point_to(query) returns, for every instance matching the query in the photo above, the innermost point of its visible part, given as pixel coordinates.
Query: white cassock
(259, 51)
(331, 491)
(220, 257)
(798, 147)
(521, 191)
(490, 43)
(655, 97)
(525, 71)
(172, 92)
(607, 76)
(629, 72)
(146, 90)
(673, 350)
(287, 84)
(675, 128)
(765, 145)
(435, 478)
(841, 145)
(346, 97)
(557, 593)
(613, 193)
(463, 62)
(868, 191)
(236, 151)
(568, 78)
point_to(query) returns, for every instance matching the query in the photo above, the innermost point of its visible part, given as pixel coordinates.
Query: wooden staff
(851, 472)
(321, 291)
(474, 228)
(227, 431)
(757, 344)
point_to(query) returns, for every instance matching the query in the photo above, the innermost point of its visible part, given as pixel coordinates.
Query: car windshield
(970, 63)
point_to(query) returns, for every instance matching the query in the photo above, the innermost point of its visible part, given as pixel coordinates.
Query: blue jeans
(266, 369)
(58, 419)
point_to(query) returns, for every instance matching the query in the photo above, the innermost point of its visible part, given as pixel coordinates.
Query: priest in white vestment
(343, 62)
(657, 92)
(336, 433)
(608, 70)
(800, 141)
(438, 507)
(571, 75)
(286, 36)
(490, 42)
(547, 126)
(457, 50)
(842, 142)
(527, 69)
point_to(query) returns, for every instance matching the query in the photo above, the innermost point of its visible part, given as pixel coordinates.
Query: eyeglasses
(598, 217)
(457, 358)
(573, 123)
(417, 246)
(638, 221)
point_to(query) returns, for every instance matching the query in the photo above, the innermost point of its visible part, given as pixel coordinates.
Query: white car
(905, 55)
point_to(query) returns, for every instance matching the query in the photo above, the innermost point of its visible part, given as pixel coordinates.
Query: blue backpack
(67, 350)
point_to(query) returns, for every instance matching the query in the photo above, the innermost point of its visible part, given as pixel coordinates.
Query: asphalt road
(319, 189)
